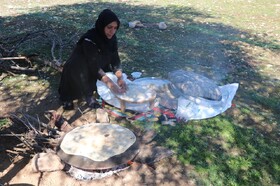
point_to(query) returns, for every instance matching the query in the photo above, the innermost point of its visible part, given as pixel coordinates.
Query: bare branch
(58, 68)
(10, 45)
(28, 145)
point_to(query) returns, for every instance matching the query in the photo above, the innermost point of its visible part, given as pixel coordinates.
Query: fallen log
(17, 58)
(23, 69)
(11, 135)
(11, 58)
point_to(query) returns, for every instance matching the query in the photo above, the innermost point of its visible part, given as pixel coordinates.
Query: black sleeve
(91, 53)
(116, 63)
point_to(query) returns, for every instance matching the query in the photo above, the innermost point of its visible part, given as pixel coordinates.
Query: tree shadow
(217, 51)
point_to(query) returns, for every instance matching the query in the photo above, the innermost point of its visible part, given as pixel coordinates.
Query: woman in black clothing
(95, 53)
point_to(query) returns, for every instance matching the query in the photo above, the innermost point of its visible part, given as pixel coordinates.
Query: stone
(102, 116)
(162, 26)
(46, 162)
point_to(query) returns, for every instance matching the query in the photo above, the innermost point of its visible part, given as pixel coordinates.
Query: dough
(137, 94)
(98, 141)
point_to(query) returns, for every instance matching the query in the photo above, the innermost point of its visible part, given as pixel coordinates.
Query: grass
(232, 41)
(224, 153)
(3, 122)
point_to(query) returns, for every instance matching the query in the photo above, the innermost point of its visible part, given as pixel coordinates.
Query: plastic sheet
(187, 107)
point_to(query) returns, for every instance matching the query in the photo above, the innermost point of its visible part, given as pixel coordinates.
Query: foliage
(3, 122)
(224, 153)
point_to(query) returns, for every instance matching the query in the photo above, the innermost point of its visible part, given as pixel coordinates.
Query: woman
(95, 53)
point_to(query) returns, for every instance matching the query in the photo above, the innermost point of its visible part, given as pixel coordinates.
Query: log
(11, 58)
(23, 69)
(11, 135)
(16, 58)
(19, 149)
(13, 152)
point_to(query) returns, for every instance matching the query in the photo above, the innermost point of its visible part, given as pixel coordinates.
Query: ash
(80, 174)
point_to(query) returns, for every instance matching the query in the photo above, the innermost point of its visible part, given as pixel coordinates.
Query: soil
(16, 170)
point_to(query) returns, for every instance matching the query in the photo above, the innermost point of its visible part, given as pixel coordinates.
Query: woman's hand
(111, 85)
(120, 80)
(122, 84)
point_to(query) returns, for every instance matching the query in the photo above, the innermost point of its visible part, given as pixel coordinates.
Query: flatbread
(97, 141)
(137, 94)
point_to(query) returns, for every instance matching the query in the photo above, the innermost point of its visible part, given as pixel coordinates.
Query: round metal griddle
(85, 163)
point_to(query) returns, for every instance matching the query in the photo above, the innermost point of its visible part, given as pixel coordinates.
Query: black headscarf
(105, 17)
(97, 34)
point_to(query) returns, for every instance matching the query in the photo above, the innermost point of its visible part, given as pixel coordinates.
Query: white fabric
(188, 108)
(200, 108)
(195, 85)
(106, 94)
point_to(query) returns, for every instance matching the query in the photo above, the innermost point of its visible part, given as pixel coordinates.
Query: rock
(102, 116)
(162, 26)
(46, 162)
(134, 24)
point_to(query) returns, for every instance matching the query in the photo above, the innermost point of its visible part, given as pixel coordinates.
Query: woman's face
(111, 29)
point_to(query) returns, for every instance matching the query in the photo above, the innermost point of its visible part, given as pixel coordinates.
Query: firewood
(23, 69)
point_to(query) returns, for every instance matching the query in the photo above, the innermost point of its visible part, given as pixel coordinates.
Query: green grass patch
(223, 153)
(267, 102)
(4, 122)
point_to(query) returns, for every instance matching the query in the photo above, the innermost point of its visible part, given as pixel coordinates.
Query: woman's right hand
(112, 86)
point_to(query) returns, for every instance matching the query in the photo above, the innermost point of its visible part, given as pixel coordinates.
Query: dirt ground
(167, 172)
(16, 170)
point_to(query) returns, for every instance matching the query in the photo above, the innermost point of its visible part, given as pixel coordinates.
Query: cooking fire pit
(98, 148)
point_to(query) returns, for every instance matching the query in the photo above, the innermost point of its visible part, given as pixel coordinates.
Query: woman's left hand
(112, 86)
(122, 84)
